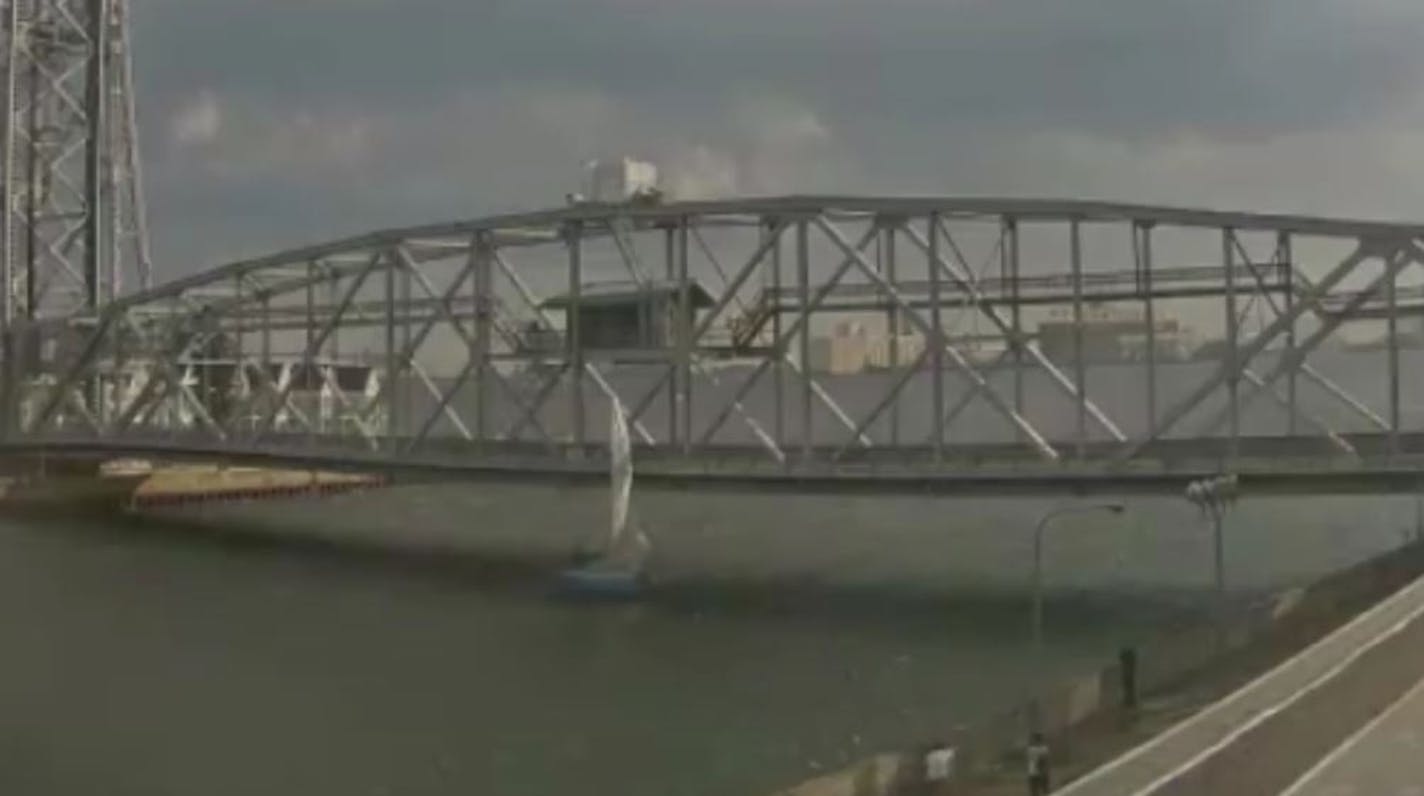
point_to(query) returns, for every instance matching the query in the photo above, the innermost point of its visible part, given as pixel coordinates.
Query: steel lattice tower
(72, 231)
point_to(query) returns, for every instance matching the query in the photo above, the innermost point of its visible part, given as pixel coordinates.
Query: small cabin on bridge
(622, 316)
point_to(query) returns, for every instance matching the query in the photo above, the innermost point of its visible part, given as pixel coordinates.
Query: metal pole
(7, 173)
(307, 367)
(1233, 364)
(134, 164)
(1037, 629)
(674, 374)
(803, 283)
(937, 340)
(95, 109)
(1212, 496)
(1080, 368)
(892, 324)
(1011, 258)
(573, 335)
(407, 353)
(686, 324)
(1284, 258)
(780, 354)
(333, 298)
(1392, 326)
(33, 115)
(1144, 235)
(392, 366)
(266, 345)
(113, 178)
(484, 311)
(237, 388)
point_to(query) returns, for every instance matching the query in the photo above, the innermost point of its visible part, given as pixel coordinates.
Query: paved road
(1385, 758)
(1259, 740)
(1286, 740)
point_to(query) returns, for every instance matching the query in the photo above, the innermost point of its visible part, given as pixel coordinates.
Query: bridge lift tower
(72, 229)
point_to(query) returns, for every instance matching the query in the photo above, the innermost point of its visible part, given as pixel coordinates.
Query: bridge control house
(625, 317)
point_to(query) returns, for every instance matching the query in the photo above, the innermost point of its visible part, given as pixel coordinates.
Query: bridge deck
(1265, 466)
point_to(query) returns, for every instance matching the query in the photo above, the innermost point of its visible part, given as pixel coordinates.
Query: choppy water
(796, 635)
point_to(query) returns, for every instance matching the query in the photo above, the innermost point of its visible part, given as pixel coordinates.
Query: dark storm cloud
(371, 112)
(1116, 65)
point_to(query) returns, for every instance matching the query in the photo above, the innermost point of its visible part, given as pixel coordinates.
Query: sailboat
(619, 569)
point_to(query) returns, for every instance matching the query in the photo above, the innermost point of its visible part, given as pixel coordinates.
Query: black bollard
(1127, 668)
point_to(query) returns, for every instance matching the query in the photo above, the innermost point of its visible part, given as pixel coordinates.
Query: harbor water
(788, 636)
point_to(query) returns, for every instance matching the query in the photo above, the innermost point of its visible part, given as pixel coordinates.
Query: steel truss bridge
(468, 369)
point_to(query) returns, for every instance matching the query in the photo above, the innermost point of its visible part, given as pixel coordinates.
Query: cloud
(480, 150)
(702, 173)
(779, 121)
(198, 122)
(252, 141)
(440, 108)
(582, 116)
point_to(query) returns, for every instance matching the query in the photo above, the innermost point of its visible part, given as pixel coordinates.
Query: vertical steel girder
(964, 281)
(72, 225)
(810, 302)
(1142, 253)
(935, 345)
(1226, 372)
(803, 326)
(316, 338)
(1080, 375)
(980, 384)
(1290, 402)
(1394, 263)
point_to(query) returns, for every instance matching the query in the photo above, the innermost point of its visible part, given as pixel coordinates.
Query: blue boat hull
(605, 584)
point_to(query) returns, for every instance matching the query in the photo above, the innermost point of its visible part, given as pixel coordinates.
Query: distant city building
(1410, 334)
(1107, 337)
(1110, 336)
(851, 349)
(844, 351)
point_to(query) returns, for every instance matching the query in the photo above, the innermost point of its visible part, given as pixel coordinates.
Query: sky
(272, 123)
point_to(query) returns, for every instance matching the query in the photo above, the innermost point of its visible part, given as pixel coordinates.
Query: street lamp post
(1213, 496)
(1038, 532)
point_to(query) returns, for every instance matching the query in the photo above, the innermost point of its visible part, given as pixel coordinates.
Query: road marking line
(1354, 740)
(1201, 717)
(1265, 715)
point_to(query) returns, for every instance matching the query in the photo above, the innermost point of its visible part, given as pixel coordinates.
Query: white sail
(620, 450)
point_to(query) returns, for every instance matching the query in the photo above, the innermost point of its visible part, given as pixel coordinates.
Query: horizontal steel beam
(949, 480)
(539, 227)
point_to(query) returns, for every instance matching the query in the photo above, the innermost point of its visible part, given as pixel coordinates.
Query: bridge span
(938, 343)
(1271, 471)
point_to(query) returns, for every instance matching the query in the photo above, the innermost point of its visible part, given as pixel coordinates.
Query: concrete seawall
(1182, 672)
(914, 543)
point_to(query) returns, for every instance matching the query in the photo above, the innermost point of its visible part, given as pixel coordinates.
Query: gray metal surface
(469, 359)
(72, 225)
